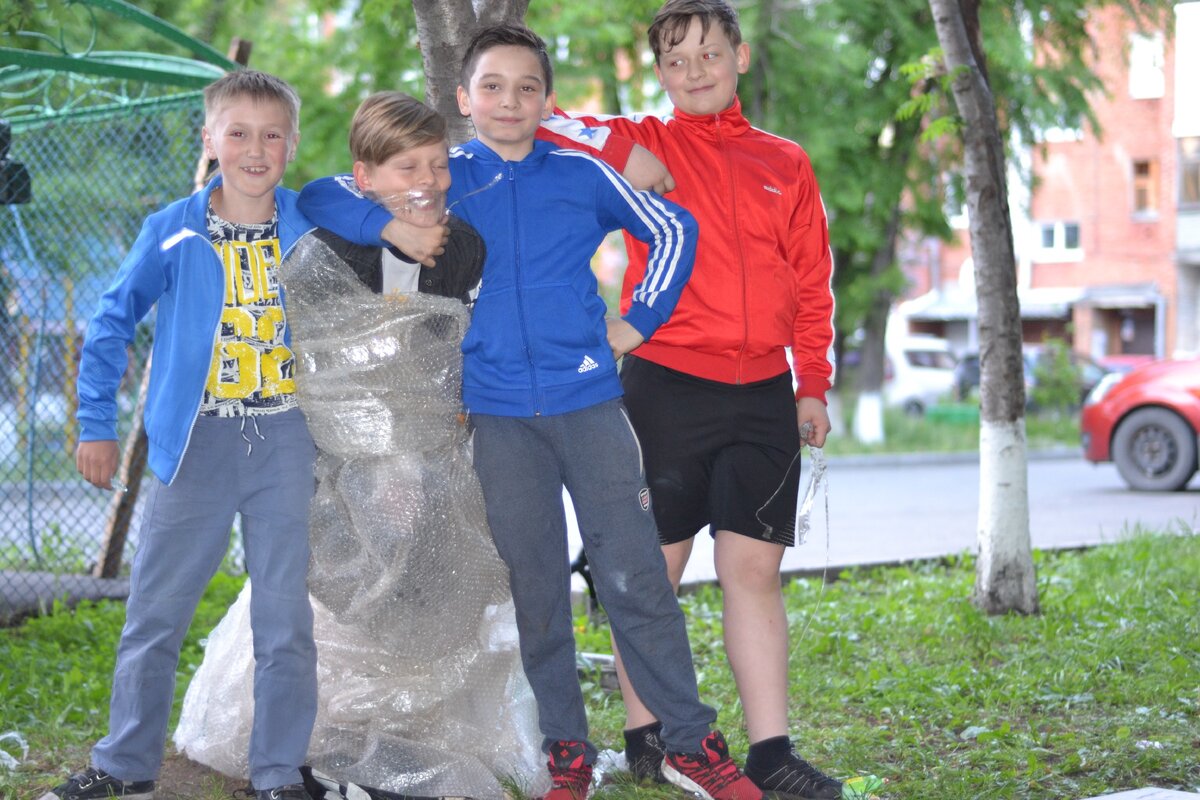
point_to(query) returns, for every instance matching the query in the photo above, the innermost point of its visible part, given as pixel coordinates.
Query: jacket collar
(195, 214)
(477, 149)
(291, 227)
(729, 122)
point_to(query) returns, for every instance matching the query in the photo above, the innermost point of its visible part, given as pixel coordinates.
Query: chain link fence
(95, 177)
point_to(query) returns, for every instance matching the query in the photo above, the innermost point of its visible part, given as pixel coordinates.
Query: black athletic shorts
(719, 454)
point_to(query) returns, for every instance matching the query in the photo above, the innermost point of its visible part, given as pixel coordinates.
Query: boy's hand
(645, 171)
(622, 337)
(812, 411)
(421, 244)
(97, 462)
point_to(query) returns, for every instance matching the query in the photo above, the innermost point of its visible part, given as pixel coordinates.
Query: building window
(1189, 171)
(1058, 241)
(1147, 78)
(1145, 188)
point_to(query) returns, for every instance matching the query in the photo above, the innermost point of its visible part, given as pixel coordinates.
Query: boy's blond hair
(671, 23)
(261, 87)
(387, 123)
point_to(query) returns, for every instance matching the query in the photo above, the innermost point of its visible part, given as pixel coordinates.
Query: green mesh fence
(95, 178)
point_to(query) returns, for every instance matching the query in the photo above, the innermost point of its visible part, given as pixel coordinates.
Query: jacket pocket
(568, 333)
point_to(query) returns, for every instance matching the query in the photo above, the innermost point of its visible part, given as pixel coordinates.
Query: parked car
(1088, 372)
(1147, 422)
(918, 373)
(1126, 362)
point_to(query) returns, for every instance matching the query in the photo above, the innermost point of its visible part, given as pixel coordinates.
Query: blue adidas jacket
(172, 263)
(538, 341)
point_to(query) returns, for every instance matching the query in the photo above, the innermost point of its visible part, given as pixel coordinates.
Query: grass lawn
(955, 432)
(894, 674)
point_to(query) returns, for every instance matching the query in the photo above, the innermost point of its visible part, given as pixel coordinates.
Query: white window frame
(1058, 251)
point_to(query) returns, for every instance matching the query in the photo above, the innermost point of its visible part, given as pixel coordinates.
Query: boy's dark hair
(670, 25)
(258, 86)
(387, 123)
(499, 36)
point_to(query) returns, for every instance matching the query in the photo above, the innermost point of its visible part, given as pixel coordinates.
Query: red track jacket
(761, 282)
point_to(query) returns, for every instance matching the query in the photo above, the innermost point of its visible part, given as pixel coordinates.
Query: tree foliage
(854, 82)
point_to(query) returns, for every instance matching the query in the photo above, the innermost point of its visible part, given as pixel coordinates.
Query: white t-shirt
(399, 275)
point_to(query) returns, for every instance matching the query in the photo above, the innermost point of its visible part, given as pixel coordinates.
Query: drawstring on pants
(249, 444)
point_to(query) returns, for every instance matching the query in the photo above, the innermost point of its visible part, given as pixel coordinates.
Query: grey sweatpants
(523, 465)
(184, 536)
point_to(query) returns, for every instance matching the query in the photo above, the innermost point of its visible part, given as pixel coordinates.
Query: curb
(961, 457)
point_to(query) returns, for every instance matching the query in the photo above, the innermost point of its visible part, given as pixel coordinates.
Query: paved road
(885, 510)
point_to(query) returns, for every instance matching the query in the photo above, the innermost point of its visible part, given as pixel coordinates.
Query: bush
(1056, 379)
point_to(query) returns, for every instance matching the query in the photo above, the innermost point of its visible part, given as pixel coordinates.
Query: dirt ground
(184, 779)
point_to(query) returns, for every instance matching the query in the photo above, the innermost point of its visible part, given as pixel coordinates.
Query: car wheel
(914, 408)
(1155, 450)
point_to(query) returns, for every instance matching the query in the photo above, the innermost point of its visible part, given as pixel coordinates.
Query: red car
(1148, 422)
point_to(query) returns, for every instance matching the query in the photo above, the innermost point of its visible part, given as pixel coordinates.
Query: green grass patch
(57, 676)
(951, 433)
(894, 673)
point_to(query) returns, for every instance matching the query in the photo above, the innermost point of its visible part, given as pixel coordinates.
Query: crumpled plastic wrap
(420, 683)
(804, 504)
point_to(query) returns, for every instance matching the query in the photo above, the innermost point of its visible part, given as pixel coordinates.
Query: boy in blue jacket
(541, 384)
(225, 437)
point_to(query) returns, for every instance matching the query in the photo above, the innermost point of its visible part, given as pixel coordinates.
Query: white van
(918, 373)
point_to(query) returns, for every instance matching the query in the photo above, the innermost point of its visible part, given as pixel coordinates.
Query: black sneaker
(644, 751)
(293, 791)
(795, 779)
(95, 784)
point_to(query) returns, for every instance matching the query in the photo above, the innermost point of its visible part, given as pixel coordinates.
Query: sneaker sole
(139, 796)
(676, 777)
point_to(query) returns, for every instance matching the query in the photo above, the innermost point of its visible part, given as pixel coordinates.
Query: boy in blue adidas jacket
(540, 382)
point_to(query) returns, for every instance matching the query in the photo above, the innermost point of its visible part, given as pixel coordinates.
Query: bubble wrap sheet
(421, 688)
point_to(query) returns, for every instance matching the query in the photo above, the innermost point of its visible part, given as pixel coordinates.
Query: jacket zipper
(519, 294)
(738, 377)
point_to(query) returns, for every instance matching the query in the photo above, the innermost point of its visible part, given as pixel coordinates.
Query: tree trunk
(759, 99)
(444, 28)
(868, 410)
(1004, 577)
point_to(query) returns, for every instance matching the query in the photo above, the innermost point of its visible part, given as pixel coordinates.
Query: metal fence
(95, 177)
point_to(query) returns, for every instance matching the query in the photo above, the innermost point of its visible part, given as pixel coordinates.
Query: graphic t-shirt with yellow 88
(252, 371)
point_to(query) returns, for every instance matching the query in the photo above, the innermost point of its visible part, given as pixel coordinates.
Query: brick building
(1108, 242)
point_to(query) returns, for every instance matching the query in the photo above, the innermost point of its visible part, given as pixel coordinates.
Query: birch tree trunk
(443, 28)
(1004, 574)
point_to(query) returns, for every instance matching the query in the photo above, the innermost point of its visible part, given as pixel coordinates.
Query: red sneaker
(710, 773)
(570, 777)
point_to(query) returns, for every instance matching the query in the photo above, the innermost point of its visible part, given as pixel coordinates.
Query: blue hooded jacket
(172, 263)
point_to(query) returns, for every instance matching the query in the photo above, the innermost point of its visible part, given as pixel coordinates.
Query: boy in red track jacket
(711, 396)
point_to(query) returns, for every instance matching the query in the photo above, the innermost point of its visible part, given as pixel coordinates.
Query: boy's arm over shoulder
(335, 203)
(812, 265)
(621, 142)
